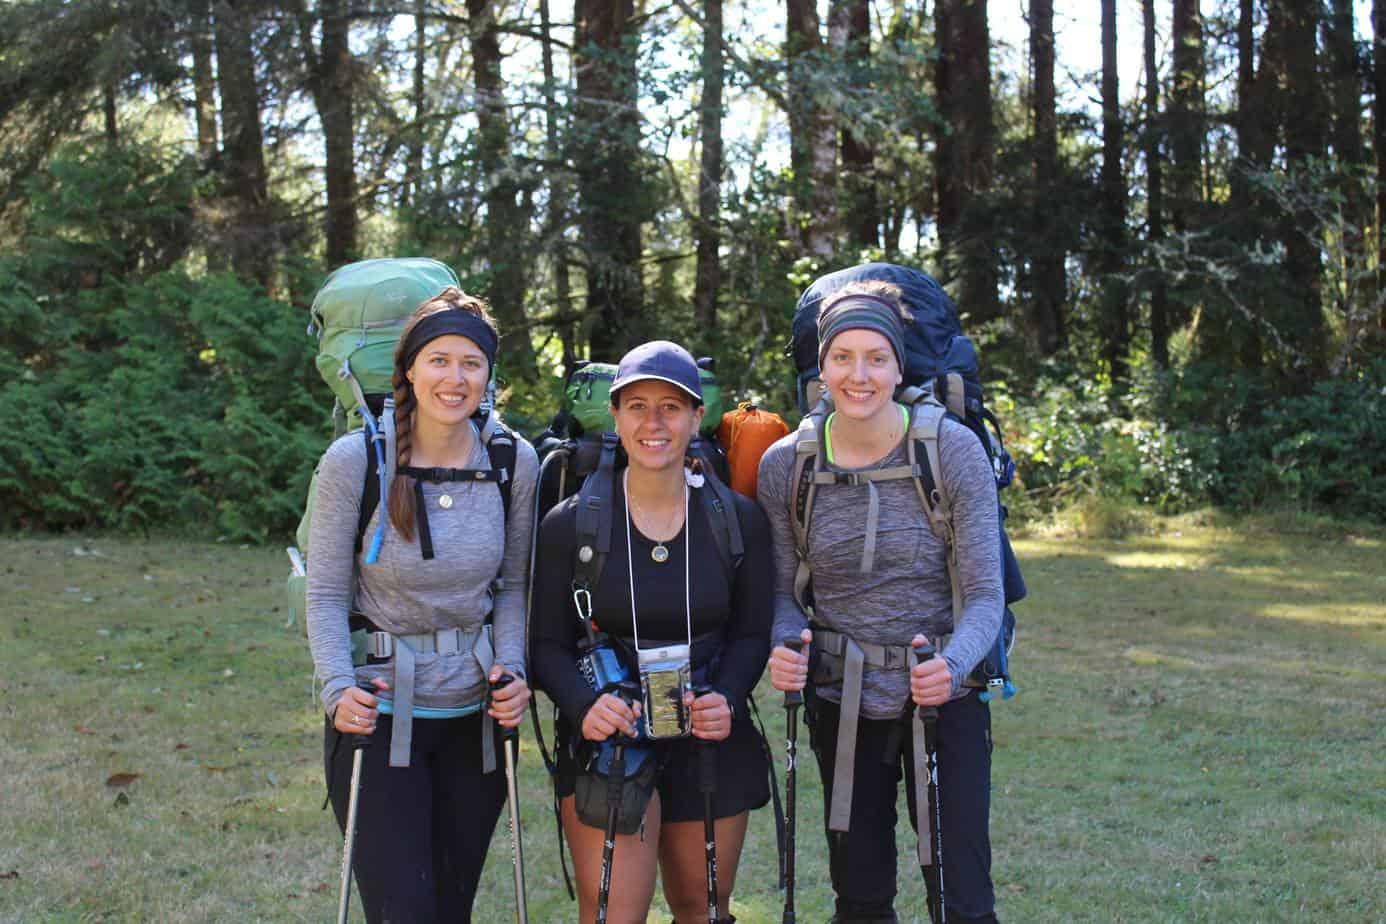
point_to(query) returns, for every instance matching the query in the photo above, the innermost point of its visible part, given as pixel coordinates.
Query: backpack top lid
(359, 314)
(588, 397)
(928, 340)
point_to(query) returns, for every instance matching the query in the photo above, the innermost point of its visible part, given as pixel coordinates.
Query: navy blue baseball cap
(662, 360)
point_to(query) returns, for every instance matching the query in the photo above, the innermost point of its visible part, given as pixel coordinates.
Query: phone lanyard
(630, 565)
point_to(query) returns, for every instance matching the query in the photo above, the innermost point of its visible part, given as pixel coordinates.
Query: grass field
(1198, 738)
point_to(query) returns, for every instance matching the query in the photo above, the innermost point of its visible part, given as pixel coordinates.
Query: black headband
(451, 321)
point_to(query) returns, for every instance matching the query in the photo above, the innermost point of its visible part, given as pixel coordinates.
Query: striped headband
(861, 311)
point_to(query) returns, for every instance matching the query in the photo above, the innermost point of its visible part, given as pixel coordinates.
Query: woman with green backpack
(865, 587)
(411, 627)
(650, 629)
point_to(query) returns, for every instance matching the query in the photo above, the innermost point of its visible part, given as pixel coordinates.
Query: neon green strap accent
(828, 431)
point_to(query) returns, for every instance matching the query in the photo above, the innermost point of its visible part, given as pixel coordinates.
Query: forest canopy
(1176, 283)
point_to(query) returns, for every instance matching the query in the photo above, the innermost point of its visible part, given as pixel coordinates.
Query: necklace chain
(643, 515)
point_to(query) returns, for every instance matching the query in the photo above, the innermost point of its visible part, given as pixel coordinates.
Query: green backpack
(357, 316)
(589, 397)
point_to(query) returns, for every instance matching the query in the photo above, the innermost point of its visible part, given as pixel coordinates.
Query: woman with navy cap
(665, 582)
(436, 625)
(880, 586)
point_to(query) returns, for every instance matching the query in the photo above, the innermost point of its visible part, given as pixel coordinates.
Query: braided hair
(401, 505)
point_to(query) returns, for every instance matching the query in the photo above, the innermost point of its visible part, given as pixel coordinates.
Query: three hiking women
(873, 587)
(414, 609)
(657, 575)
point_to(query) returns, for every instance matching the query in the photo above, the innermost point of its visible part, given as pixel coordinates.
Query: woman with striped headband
(880, 585)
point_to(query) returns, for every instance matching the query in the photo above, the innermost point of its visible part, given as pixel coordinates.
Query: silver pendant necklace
(660, 553)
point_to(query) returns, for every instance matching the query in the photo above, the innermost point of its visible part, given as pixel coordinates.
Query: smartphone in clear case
(665, 676)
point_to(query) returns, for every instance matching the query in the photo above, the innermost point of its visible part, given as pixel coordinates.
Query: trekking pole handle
(504, 680)
(924, 653)
(707, 757)
(794, 697)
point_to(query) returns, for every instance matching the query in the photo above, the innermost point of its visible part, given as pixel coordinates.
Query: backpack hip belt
(847, 658)
(401, 649)
(833, 646)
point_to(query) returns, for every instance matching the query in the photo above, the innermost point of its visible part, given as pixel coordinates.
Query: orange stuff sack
(745, 434)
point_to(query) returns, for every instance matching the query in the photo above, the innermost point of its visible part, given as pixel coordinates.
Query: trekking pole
(616, 778)
(793, 699)
(929, 717)
(707, 785)
(359, 743)
(510, 742)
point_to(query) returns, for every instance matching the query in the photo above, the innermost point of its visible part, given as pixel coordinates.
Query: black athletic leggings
(422, 831)
(862, 860)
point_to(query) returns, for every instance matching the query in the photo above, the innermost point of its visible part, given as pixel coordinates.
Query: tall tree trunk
(1048, 279)
(1347, 141)
(108, 109)
(849, 34)
(1255, 129)
(204, 82)
(1379, 140)
(1112, 242)
(965, 153)
(813, 142)
(557, 219)
(1155, 194)
(1305, 134)
(709, 272)
(506, 221)
(414, 160)
(1254, 142)
(247, 231)
(607, 159)
(1347, 86)
(1186, 114)
(335, 105)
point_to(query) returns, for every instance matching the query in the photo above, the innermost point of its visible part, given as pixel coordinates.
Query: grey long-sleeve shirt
(908, 590)
(403, 593)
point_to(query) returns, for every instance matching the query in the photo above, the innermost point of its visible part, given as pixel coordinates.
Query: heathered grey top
(908, 589)
(404, 594)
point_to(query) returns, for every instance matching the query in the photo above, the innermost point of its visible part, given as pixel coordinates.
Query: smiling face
(655, 421)
(449, 378)
(860, 372)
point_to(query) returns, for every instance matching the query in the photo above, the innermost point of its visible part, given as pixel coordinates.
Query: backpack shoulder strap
(500, 449)
(926, 420)
(381, 452)
(726, 525)
(808, 459)
(594, 517)
(370, 491)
